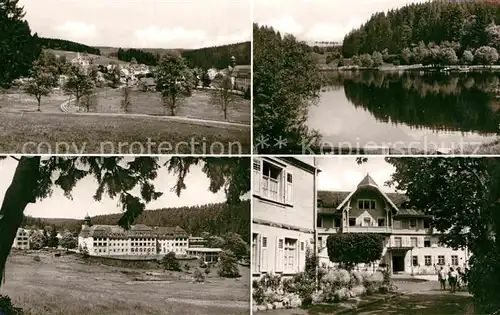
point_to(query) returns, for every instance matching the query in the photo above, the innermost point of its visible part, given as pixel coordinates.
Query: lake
(412, 111)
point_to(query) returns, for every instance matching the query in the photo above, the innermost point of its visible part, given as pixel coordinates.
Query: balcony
(331, 230)
(367, 229)
(406, 231)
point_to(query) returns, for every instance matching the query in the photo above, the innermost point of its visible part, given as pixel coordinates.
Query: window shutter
(289, 188)
(280, 254)
(257, 175)
(263, 256)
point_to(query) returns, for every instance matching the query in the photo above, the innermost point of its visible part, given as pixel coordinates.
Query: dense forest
(61, 44)
(218, 56)
(204, 58)
(140, 56)
(472, 24)
(217, 219)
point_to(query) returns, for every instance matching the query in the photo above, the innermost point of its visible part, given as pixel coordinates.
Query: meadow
(70, 285)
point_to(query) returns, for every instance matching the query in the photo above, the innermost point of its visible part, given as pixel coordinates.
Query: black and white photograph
(124, 235)
(375, 235)
(125, 77)
(391, 77)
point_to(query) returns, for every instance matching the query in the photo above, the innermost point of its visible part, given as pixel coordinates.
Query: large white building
(284, 218)
(411, 244)
(22, 240)
(139, 240)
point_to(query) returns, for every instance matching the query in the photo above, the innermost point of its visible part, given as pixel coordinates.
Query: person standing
(453, 275)
(442, 278)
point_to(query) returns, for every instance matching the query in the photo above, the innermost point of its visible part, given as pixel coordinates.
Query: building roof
(204, 249)
(139, 230)
(336, 199)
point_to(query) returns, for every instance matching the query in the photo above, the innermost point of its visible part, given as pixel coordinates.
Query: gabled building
(22, 239)
(284, 214)
(139, 240)
(411, 244)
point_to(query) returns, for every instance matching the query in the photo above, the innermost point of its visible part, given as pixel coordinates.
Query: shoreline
(452, 68)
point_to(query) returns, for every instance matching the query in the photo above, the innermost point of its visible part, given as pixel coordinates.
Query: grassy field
(66, 285)
(199, 105)
(52, 133)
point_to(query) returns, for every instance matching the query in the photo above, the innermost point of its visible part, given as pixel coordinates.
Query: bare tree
(125, 103)
(223, 96)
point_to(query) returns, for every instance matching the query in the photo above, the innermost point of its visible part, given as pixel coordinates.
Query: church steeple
(87, 220)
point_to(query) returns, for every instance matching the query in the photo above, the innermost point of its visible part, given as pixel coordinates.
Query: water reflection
(408, 106)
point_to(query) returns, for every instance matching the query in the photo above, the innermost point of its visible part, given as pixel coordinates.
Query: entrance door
(398, 264)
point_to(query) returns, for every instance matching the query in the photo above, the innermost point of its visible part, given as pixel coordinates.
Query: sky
(342, 173)
(142, 23)
(320, 20)
(58, 206)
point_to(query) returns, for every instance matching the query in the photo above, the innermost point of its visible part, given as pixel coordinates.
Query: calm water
(418, 111)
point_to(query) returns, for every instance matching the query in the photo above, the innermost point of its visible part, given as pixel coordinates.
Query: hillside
(213, 218)
(66, 45)
(208, 57)
(438, 21)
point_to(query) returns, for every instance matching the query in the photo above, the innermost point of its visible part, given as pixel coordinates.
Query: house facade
(411, 245)
(283, 222)
(22, 239)
(140, 240)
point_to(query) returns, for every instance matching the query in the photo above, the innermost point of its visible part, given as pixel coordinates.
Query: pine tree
(18, 49)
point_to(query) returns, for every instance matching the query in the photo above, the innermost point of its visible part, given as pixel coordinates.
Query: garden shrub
(258, 292)
(198, 276)
(351, 249)
(36, 258)
(169, 262)
(7, 308)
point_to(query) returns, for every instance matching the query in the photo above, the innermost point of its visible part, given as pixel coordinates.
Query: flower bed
(334, 286)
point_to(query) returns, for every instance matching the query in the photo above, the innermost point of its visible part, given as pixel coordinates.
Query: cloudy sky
(58, 206)
(320, 20)
(142, 23)
(342, 173)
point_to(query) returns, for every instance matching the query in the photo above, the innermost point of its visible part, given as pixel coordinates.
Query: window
(440, 260)
(290, 255)
(427, 243)
(352, 221)
(271, 181)
(427, 224)
(414, 260)
(427, 260)
(319, 222)
(398, 242)
(302, 246)
(454, 260)
(413, 223)
(413, 241)
(381, 222)
(365, 204)
(320, 241)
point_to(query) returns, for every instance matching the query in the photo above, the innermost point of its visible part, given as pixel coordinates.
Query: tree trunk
(172, 106)
(39, 101)
(20, 193)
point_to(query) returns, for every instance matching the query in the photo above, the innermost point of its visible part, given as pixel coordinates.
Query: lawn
(51, 133)
(199, 105)
(66, 285)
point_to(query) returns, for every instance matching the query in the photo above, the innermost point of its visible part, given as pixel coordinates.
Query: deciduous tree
(351, 249)
(171, 81)
(223, 95)
(40, 83)
(79, 83)
(286, 82)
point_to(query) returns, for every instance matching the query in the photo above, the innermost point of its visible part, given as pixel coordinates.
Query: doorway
(398, 264)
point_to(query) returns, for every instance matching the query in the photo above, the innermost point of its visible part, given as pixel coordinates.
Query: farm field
(67, 285)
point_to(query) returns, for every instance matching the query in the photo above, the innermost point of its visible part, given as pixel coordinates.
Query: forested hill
(213, 218)
(218, 56)
(61, 44)
(437, 21)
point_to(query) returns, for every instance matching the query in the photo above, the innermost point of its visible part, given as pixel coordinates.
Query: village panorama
(149, 87)
(131, 242)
